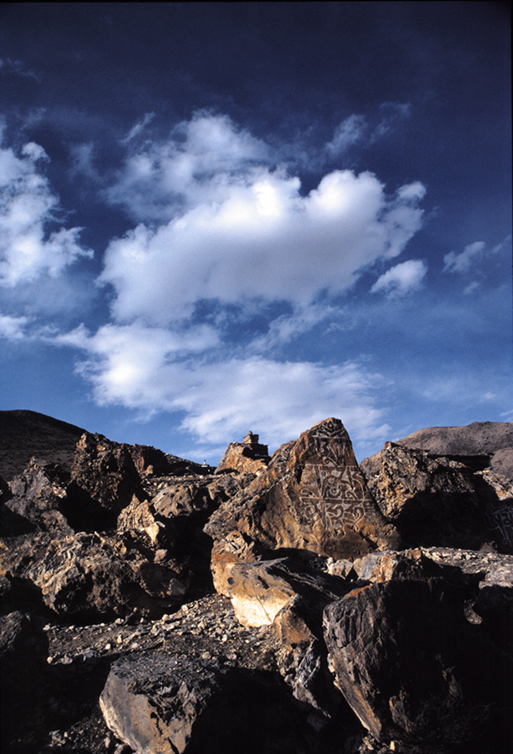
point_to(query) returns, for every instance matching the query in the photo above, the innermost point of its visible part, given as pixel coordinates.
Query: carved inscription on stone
(332, 490)
(500, 524)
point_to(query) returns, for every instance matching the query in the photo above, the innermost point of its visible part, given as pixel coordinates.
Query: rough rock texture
(493, 440)
(38, 495)
(437, 500)
(103, 482)
(23, 653)
(150, 461)
(249, 456)
(258, 591)
(411, 666)
(92, 577)
(312, 499)
(430, 629)
(174, 705)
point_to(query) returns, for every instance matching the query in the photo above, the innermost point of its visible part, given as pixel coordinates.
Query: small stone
(108, 646)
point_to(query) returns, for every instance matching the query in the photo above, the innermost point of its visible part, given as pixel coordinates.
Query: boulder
(391, 565)
(412, 667)
(435, 500)
(23, 653)
(170, 705)
(104, 480)
(258, 591)
(302, 658)
(312, 499)
(87, 577)
(39, 495)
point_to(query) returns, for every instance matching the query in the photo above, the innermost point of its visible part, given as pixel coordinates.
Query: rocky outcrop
(39, 494)
(320, 612)
(249, 456)
(312, 500)
(103, 482)
(436, 500)
(88, 577)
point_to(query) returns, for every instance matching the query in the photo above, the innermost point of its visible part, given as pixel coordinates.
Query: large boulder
(171, 705)
(258, 591)
(39, 495)
(413, 669)
(312, 499)
(103, 482)
(436, 500)
(87, 577)
(23, 654)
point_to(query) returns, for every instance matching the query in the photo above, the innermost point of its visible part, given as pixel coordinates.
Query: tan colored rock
(258, 591)
(312, 498)
(249, 456)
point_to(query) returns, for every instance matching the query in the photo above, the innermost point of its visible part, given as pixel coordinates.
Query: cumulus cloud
(401, 279)
(198, 163)
(27, 206)
(240, 230)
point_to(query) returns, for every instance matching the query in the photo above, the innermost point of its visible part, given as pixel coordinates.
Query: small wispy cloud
(349, 132)
(401, 279)
(463, 262)
(138, 127)
(392, 114)
(18, 67)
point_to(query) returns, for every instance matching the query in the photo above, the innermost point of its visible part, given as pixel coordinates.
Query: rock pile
(294, 604)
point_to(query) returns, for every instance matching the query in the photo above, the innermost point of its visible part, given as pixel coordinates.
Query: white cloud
(461, 263)
(201, 158)
(401, 279)
(13, 328)
(470, 258)
(240, 231)
(27, 205)
(346, 134)
(152, 369)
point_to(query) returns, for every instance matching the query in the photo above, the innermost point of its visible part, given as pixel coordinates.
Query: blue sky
(223, 217)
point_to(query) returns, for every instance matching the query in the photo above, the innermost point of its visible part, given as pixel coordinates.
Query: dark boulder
(160, 703)
(414, 670)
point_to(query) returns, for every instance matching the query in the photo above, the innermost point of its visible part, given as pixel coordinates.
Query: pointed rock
(312, 498)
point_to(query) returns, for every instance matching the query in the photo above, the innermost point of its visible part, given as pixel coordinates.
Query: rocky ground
(293, 605)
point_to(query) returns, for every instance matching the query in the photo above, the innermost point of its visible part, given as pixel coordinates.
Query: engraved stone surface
(311, 500)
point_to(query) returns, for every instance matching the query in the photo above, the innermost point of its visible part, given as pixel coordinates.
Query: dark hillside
(24, 434)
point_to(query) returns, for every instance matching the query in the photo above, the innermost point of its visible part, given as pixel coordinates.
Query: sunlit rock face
(311, 500)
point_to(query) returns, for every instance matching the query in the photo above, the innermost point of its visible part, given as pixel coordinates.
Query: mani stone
(312, 500)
